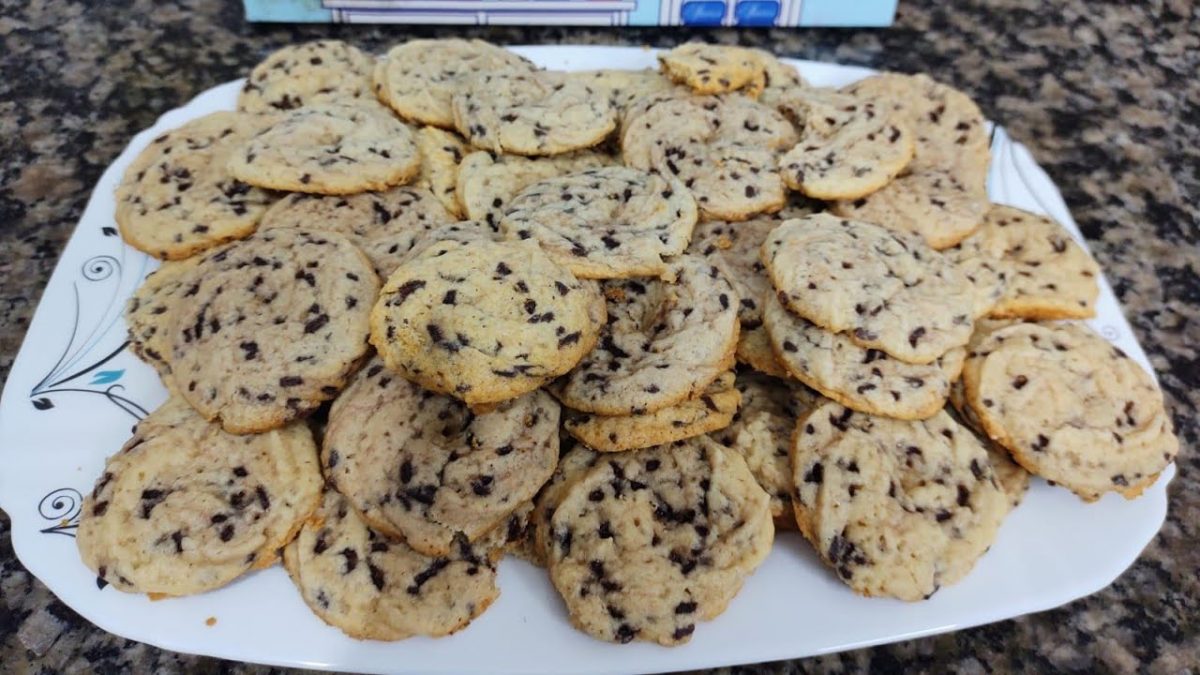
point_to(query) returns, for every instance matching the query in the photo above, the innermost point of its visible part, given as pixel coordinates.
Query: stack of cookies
(423, 310)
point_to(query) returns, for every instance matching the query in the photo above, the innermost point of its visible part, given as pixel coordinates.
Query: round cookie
(714, 69)
(886, 290)
(713, 409)
(847, 149)
(864, 379)
(185, 507)
(177, 197)
(723, 149)
(484, 321)
(1049, 275)
(612, 222)
(441, 153)
(332, 148)
(531, 113)
(1070, 407)
(663, 343)
(421, 467)
(149, 311)
(322, 71)
(933, 203)
(761, 432)
(624, 88)
(898, 509)
(271, 327)
(487, 182)
(418, 79)
(733, 249)
(385, 225)
(951, 133)
(374, 588)
(648, 543)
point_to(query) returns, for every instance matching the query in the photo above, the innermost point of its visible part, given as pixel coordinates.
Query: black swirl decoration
(73, 363)
(63, 507)
(101, 267)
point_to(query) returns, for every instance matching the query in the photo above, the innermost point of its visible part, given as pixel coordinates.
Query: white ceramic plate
(74, 392)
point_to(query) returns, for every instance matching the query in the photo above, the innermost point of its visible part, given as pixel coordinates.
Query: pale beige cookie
(715, 69)
(724, 149)
(606, 223)
(950, 129)
(1013, 477)
(884, 289)
(441, 153)
(898, 509)
(779, 78)
(484, 321)
(848, 148)
(761, 432)
(858, 377)
(486, 182)
(421, 467)
(733, 248)
(331, 148)
(624, 88)
(149, 312)
(754, 349)
(322, 71)
(463, 232)
(1049, 275)
(651, 542)
(374, 588)
(385, 225)
(418, 79)
(185, 507)
(538, 113)
(713, 409)
(933, 203)
(271, 327)
(177, 197)
(1070, 407)
(983, 268)
(572, 465)
(663, 342)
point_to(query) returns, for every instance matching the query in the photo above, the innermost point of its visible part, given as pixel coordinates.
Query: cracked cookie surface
(178, 198)
(1070, 407)
(185, 507)
(484, 321)
(885, 290)
(272, 326)
(646, 544)
(663, 342)
(374, 588)
(897, 509)
(612, 222)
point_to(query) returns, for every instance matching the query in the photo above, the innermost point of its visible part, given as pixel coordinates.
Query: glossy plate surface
(74, 392)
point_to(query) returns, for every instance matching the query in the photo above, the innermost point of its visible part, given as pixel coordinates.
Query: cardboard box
(744, 13)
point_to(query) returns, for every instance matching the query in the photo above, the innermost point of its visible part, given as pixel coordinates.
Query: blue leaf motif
(107, 376)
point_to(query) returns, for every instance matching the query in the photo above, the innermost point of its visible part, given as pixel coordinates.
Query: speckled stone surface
(1105, 94)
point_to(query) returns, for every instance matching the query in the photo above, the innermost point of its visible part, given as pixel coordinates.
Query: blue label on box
(764, 13)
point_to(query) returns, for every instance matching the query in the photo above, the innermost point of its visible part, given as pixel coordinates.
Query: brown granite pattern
(1104, 93)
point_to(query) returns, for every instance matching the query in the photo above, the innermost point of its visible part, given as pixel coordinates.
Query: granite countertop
(1105, 95)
